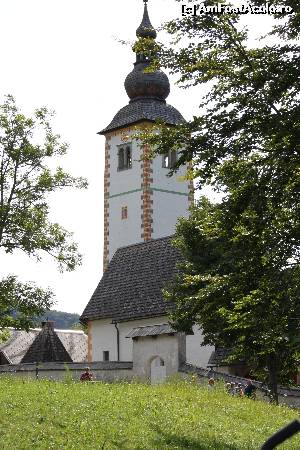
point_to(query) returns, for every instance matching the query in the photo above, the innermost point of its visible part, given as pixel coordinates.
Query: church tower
(140, 202)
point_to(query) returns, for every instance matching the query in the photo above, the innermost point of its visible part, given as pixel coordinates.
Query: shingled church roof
(131, 287)
(13, 350)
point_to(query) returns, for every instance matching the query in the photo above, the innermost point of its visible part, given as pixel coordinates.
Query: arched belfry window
(124, 157)
(169, 159)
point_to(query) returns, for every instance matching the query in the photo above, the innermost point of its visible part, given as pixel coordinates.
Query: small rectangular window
(124, 157)
(124, 214)
(106, 355)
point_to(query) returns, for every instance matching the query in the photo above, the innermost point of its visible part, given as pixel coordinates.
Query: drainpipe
(118, 339)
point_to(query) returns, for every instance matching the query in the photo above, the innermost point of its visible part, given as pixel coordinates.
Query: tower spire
(147, 90)
(146, 30)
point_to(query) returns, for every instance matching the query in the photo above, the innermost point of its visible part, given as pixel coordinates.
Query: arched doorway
(157, 370)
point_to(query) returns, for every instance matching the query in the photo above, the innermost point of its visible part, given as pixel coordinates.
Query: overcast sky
(65, 54)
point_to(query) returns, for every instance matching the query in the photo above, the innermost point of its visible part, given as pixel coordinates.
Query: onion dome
(140, 84)
(146, 30)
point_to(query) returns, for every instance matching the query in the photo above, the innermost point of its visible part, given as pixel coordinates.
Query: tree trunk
(273, 383)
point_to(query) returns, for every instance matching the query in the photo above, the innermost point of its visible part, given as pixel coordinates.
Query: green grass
(50, 415)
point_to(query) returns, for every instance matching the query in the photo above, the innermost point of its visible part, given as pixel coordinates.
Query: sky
(66, 55)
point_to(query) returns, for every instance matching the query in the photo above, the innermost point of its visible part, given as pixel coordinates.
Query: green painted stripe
(151, 188)
(124, 193)
(168, 192)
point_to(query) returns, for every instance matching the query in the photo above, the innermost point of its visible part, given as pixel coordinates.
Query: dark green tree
(232, 284)
(244, 143)
(20, 303)
(27, 145)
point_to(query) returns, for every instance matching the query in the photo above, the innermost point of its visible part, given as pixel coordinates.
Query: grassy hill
(50, 415)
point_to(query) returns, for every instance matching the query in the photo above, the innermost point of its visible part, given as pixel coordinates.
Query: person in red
(87, 375)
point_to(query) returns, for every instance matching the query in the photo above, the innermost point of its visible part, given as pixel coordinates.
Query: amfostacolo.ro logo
(240, 8)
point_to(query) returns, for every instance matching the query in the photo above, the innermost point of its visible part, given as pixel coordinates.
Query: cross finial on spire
(145, 1)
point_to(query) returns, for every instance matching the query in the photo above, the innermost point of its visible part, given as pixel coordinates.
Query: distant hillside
(63, 320)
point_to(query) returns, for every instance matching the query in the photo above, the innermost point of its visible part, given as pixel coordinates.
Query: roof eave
(117, 319)
(109, 130)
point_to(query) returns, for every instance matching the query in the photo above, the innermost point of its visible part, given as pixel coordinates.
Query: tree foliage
(25, 182)
(27, 148)
(241, 280)
(19, 303)
(233, 288)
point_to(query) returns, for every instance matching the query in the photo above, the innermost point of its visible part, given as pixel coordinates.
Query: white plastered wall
(174, 183)
(124, 232)
(124, 190)
(104, 337)
(167, 208)
(195, 353)
(170, 198)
